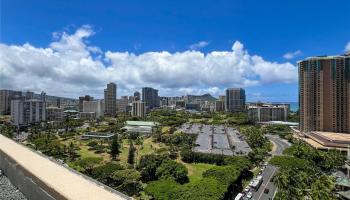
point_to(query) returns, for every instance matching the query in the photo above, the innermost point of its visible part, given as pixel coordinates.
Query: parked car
(249, 195)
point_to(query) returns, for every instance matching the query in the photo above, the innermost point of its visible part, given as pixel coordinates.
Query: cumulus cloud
(291, 55)
(69, 66)
(199, 45)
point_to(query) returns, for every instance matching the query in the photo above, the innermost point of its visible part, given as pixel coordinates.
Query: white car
(251, 183)
(249, 195)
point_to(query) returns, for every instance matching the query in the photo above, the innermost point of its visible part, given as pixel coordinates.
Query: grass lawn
(149, 147)
(124, 150)
(84, 151)
(195, 170)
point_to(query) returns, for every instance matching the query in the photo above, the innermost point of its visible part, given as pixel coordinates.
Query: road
(270, 171)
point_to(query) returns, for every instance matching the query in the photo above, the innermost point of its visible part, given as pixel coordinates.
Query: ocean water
(294, 106)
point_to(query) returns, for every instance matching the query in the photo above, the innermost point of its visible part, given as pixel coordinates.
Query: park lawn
(84, 152)
(149, 147)
(195, 170)
(124, 151)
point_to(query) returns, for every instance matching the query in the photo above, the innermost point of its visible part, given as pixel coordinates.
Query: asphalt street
(270, 170)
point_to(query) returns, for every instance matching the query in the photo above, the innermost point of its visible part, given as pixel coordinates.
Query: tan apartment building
(324, 91)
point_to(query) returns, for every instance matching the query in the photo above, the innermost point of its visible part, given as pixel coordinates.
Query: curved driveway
(270, 170)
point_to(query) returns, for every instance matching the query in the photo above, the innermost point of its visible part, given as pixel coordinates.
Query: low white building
(140, 127)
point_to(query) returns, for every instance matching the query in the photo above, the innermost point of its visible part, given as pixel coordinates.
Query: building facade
(137, 96)
(268, 112)
(24, 112)
(96, 106)
(110, 94)
(324, 94)
(6, 96)
(82, 99)
(138, 109)
(54, 114)
(29, 95)
(150, 97)
(122, 104)
(235, 100)
(219, 106)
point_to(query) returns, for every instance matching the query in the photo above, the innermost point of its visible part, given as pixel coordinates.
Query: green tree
(115, 147)
(72, 154)
(131, 155)
(128, 181)
(87, 165)
(7, 130)
(148, 166)
(170, 169)
(321, 188)
(164, 189)
(105, 173)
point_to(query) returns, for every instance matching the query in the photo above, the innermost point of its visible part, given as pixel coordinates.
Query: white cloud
(291, 55)
(71, 67)
(199, 45)
(347, 47)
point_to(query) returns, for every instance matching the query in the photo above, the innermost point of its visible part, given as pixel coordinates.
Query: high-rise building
(138, 109)
(122, 104)
(137, 96)
(6, 96)
(222, 98)
(43, 96)
(235, 100)
(219, 106)
(324, 94)
(24, 112)
(82, 99)
(110, 94)
(150, 97)
(96, 106)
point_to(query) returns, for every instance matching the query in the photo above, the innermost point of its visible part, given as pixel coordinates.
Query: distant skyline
(73, 48)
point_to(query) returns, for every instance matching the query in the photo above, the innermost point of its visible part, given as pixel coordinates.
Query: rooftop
(325, 57)
(68, 183)
(141, 123)
(335, 137)
(280, 123)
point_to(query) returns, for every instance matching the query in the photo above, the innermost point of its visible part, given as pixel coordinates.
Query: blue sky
(269, 29)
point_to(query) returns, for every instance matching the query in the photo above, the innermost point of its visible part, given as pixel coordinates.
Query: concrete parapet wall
(41, 178)
(23, 180)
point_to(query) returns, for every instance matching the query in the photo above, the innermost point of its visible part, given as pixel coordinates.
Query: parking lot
(217, 139)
